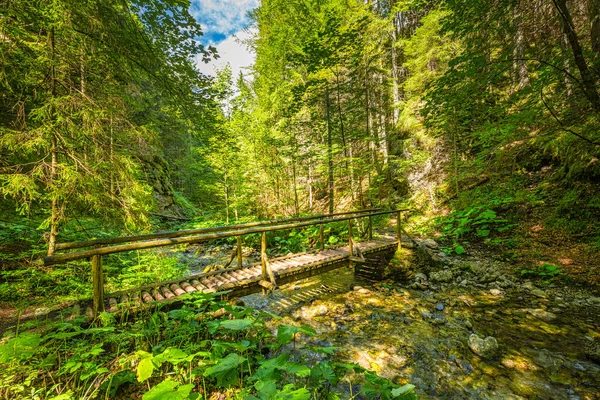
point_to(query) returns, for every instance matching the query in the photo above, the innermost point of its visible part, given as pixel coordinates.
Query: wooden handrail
(79, 255)
(189, 232)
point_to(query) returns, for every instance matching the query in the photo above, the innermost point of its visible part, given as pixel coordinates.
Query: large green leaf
(225, 370)
(405, 392)
(285, 333)
(169, 390)
(171, 354)
(288, 393)
(236, 324)
(145, 369)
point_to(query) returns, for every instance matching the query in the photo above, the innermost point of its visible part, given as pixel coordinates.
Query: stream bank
(430, 328)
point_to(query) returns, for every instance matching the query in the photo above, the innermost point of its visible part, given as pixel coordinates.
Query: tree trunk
(594, 17)
(235, 202)
(520, 66)
(310, 188)
(348, 160)
(54, 218)
(586, 77)
(329, 152)
(294, 182)
(226, 198)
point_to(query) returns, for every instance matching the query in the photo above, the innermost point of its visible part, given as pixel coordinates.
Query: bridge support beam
(399, 229)
(239, 252)
(321, 237)
(263, 258)
(98, 285)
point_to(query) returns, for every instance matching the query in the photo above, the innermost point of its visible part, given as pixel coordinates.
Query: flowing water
(420, 336)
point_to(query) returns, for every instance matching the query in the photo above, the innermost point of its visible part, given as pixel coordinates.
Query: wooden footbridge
(240, 280)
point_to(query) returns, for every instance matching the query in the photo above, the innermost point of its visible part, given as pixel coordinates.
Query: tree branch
(562, 125)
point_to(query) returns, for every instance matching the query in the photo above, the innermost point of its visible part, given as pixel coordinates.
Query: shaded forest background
(480, 115)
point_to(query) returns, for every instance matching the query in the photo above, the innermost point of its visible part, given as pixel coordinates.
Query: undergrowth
(206, 348)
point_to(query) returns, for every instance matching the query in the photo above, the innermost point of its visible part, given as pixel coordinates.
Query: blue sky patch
(221, 18)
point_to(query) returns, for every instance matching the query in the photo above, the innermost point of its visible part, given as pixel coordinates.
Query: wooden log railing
(103, 247)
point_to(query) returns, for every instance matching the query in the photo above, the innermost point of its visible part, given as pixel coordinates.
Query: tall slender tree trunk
(587, 80)
(226, 197)
(295, 187)
(594, 17)
(329, 152)
(520, 66)
(564, 46)
(54, 217)
(235, 202)
(310, 187)
(347, 152)
(383, 143)
(395, 70)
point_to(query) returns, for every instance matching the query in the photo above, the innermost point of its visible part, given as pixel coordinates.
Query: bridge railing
(101, 247)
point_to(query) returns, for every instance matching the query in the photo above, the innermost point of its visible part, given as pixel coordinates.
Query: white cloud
(222, 16)
(231, 51)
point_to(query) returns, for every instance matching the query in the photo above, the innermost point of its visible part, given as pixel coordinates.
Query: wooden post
(370, 227)
(350, 244)
(322, 237)
(399, 228)
(98, 285)
(263, 257)
(239, 252)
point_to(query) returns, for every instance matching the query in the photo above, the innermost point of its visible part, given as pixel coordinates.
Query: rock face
(484, 348)
(441, 276)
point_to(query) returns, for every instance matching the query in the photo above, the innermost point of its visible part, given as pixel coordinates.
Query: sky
(225, 24)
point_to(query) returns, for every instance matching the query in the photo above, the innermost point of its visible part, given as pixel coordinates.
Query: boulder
(485, 348)
(432, 244)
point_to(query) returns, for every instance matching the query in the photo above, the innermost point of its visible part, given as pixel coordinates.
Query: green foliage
(478, 221)
(542, 271)
(128, 270)
(176, 355)
(170, 390)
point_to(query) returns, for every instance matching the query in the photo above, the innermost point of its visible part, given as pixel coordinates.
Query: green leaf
(324, 350)
(487, 215)
(166, 391)
(405, 392)
(232, 361)
(266, 389)
(145, 366)
(323, 371)
(288, 393)
(483, 232)
(171, 354)
(458, 249)
(285, 333)
(297, 369)
(236, 324)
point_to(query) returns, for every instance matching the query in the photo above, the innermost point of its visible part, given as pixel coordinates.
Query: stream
(429, 330)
